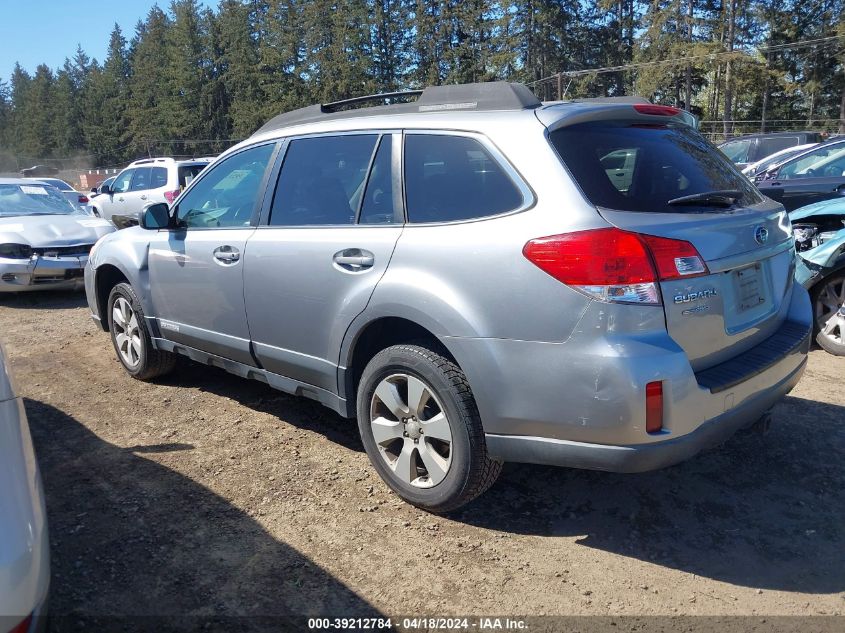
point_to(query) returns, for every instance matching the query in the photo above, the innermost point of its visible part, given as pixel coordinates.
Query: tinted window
(737, 151)
(322, 180)
(121, 183)
(451, 178)
(378, 197)
(665, 162)
(33, 199)
(227, 195)
(158, 177)
(769, 145)
(61, 185)
(187, 173)
(141, 179)
(814, 164)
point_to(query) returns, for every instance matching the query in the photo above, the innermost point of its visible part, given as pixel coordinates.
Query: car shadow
(41, 299)
(763, 512)
(759, 511)
(138, 546)
(302, 413)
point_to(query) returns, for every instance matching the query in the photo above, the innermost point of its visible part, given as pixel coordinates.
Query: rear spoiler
(563, 114)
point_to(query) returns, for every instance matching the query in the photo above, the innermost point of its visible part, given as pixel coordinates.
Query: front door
(312, 266)
(196, 269)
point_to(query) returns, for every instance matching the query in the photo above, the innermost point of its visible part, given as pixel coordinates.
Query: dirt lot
(206, 494)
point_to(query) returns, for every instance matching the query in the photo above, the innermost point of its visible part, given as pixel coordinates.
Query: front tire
(420, 427)
(829, 314)
(131, 339)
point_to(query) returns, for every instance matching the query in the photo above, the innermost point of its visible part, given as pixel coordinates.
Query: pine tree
(146, 110)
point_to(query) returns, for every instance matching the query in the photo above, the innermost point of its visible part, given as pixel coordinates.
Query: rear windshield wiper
(721, 198)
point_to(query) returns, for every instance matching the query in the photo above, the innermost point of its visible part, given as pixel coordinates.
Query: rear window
(772, 144)
(187, 173)
(661, 163)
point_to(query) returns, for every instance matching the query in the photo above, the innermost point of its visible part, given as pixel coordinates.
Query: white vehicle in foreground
(24, 544)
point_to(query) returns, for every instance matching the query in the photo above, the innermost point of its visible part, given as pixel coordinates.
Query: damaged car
(819, 231)
(44, 239)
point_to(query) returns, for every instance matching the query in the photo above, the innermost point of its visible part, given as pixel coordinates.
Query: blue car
(819, 231)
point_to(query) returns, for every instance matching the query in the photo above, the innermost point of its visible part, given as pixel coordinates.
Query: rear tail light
(23, 625)
(654, 407)
(615, 265)
(659, 110)
(83, 199)
(170, 196)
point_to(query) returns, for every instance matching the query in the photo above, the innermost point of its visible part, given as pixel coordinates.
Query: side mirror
(105, 189)
(155, 215)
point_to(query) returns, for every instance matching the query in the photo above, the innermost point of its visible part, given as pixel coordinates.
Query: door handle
(120, 199)
(226, 254)
(354, 259)
(144, 197)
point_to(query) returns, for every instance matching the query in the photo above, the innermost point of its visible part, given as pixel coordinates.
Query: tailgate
(750, 260)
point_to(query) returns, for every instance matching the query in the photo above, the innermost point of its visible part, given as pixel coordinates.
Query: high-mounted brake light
(659, 110)
(615, 265)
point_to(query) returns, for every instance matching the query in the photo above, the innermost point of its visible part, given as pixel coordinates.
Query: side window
(450, 178)
(768, 146)
(158, 177)
(227, 195)
(141, 179)
(809, 165)
(322, 180)
(121, 183)
(737, 151)
(378, 196)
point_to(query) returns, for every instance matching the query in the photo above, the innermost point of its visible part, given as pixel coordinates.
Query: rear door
(746, 245)
(314, 262)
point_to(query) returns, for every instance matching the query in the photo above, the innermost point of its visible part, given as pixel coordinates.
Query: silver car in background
(76, 198)
(477, 277)
(44, 239)
(24, 544)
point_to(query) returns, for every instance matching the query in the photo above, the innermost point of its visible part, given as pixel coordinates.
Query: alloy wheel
(127, 336)
(411, 430)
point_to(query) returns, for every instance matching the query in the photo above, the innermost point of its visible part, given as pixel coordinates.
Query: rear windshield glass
(34, 199)
(635, 167)
(187, 173)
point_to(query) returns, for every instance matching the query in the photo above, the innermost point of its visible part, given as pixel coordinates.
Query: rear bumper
(581, 403)
(643, 457)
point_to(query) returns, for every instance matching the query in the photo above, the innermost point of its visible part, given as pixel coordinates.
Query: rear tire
(420, 427)
(131, 338)
(829, 314)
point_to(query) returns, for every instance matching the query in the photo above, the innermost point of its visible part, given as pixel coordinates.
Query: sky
(36, 32)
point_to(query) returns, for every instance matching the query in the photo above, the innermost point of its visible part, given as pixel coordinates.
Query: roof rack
(477, 97)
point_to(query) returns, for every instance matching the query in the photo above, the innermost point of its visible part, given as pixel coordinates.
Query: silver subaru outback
(477, 277)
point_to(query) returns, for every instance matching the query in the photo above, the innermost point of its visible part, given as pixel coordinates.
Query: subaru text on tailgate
(477, 277)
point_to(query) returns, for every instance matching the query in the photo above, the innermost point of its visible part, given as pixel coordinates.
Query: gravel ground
(205, 494)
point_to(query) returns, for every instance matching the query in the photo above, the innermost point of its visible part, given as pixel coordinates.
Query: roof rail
(337, 106)
(477, 97)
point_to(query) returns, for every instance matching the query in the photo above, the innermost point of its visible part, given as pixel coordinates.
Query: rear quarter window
(662, 162)
(450, 178)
